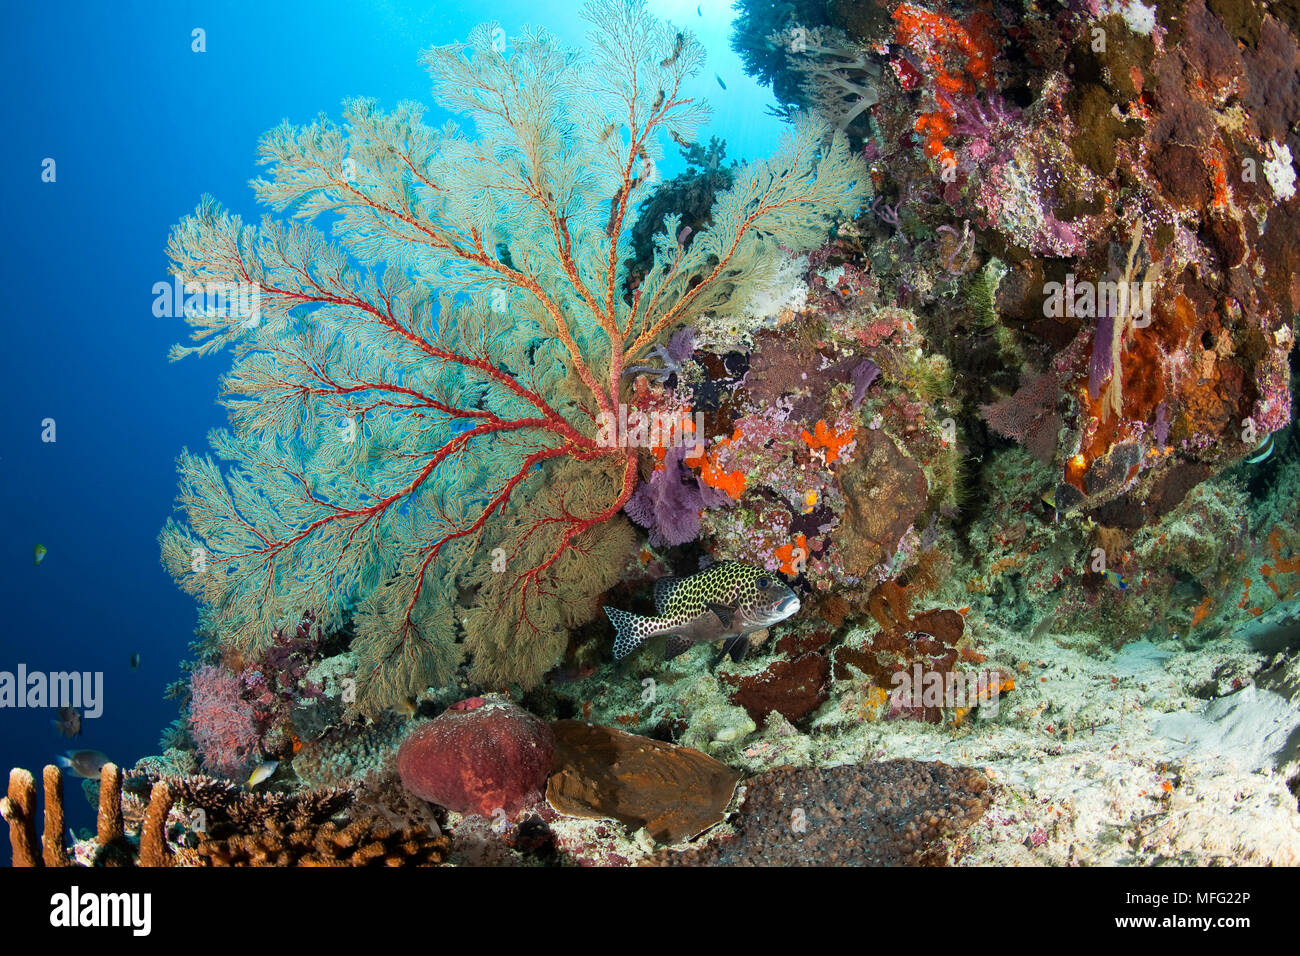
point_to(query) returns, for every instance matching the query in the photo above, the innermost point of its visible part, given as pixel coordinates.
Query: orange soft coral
(732, 482)
(831, 441)
(917, 27)
(958, 56)
(687, 425)
(786, 554)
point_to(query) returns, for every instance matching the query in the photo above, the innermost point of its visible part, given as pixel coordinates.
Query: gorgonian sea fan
(414, 409)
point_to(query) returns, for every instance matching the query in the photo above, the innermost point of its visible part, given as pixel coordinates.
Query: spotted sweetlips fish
(726, 602)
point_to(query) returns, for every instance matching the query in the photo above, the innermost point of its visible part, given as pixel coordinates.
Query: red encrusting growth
(957, 57)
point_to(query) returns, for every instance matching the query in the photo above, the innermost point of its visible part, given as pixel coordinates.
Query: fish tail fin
(63, 762)
(678, 644)
(630, 630)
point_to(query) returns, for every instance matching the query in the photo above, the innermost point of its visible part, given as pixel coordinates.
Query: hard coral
(228, 809)
(489, 758)
(363, 842)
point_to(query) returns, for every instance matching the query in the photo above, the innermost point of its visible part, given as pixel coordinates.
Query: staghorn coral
(364, 842)
(391, 445)
(229, 809)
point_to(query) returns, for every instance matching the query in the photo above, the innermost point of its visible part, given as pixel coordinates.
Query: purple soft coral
(680, 347)
(669, 506)
(863, 374)
(1101, 364)
(666, 505)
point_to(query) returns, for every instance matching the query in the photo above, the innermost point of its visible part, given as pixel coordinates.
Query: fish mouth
(787, 607)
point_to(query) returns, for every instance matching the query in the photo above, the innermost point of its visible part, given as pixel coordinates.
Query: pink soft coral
(221, 721)
(1029, 416)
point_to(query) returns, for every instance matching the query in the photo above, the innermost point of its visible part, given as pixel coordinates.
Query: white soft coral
(783, 291)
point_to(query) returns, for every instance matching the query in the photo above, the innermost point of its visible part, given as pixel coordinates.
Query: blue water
(139, 127)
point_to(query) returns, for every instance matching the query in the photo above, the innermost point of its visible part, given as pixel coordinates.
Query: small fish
(83, 763)
(135, 661)
(677, 51)
(38, 553)
(69, 722)
(719, 79)
(406, 707)
(262, 772)
(726, 602)
(697, 11)
(1119, 580)
(1262, 452)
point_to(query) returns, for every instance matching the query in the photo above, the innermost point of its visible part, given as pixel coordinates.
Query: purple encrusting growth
(1160, 430)
(986, 121)
(681, 345)
(863, 374)
(669, 506)
(1101, 365)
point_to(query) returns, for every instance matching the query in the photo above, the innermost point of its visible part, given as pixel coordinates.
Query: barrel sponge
(480, 755)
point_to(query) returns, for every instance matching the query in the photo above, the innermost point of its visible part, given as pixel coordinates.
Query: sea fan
(398, 451)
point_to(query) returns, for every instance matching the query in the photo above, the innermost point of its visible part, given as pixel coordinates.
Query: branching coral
(394, 448)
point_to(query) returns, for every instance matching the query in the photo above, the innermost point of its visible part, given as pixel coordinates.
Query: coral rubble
(895, 813)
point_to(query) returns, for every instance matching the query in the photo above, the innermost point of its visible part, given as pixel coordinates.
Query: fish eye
(763, 583)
